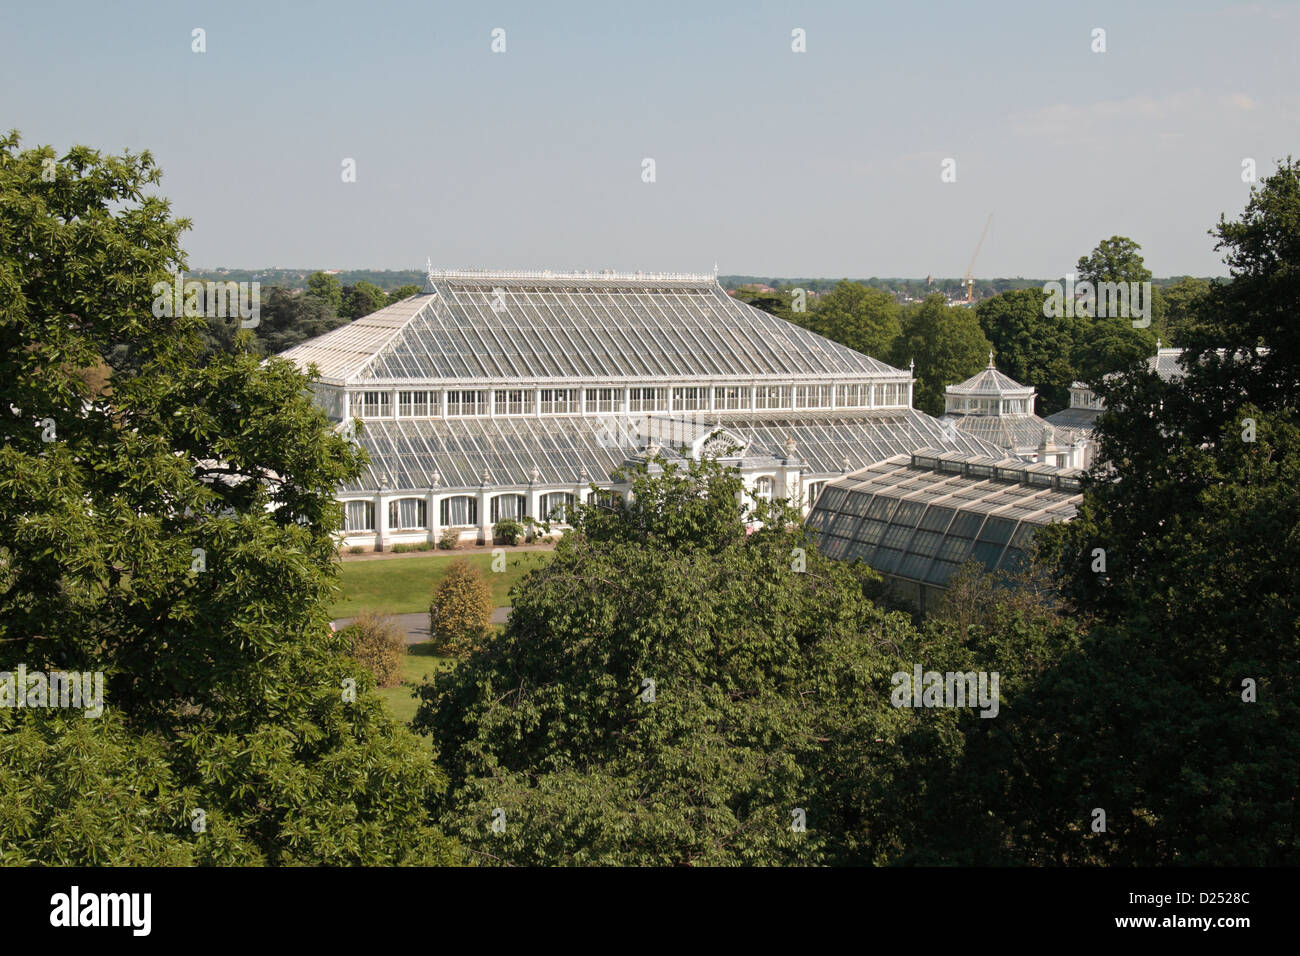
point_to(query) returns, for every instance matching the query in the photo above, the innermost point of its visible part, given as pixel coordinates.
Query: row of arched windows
(411, 514)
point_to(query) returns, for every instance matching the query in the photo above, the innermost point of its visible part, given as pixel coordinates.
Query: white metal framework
(508, 394)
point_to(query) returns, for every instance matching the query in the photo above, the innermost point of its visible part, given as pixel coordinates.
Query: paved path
(462, 551)
(416, 626)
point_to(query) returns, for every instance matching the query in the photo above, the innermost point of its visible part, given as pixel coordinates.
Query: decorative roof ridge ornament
(428, 277)
(991, 358)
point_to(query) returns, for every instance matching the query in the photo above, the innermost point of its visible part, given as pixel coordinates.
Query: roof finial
(715, 268)
(990, 358)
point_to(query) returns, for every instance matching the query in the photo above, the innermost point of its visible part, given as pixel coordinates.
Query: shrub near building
(378, 646)
(461, 611)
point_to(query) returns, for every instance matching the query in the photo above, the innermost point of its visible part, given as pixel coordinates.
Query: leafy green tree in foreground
(1180, 712)
(174, 532)
(671, 689)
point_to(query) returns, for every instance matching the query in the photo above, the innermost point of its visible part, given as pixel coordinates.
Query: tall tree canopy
(173, 532)
(1033, 348)
(672, 689)
(1181, 711)
(1117, 259)
(863, 318)
(362, 299)
(947, 345)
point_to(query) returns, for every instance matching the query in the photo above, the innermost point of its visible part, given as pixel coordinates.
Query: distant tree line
(950, 343)
(290, 316)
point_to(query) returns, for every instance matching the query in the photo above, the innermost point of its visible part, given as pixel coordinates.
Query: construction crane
(970, 282)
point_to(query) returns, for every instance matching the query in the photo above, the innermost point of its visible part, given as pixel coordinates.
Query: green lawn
(420, 663)
(404, 585)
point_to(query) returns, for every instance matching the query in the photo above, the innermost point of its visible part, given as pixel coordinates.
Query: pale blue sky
(823, 163)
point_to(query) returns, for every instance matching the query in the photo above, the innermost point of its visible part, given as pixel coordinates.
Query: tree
(378, 645)
(460, 614)
(288, 319)
(673, 690)
(402, 292)
(1031, 347)
(862, 318)
(1109, 344)
(361, 299)
(174, 533)
(1117, 259)
(948, 347)
(1178, 712)
(1182, 303)
(1258, 307)
(327, 288)
(1112, 338)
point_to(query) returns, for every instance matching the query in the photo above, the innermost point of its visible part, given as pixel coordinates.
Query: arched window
(360, 516)
(407, 513)
(763, 488)
(508, 506)
(458, 511)
(555, 506)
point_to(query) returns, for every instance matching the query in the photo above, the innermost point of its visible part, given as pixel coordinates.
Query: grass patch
(405, 585)
(420, 663)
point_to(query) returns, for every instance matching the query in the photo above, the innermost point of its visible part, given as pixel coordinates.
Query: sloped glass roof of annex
(573, 450)
(551, 327)
(921, 516)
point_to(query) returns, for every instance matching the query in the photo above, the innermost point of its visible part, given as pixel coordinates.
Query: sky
(822, 163)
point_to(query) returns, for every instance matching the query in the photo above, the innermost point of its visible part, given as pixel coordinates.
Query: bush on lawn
(508, 531)
(449, 540)
(460, 614)
(379, 645)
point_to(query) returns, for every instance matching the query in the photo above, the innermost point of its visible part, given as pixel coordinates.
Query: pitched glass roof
(989, 381)
(406, 454)
(1010, 432)
(498, 326)
(908, 518)
(1079, 419)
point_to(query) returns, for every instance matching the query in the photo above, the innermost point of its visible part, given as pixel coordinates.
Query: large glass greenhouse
(504, 394)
